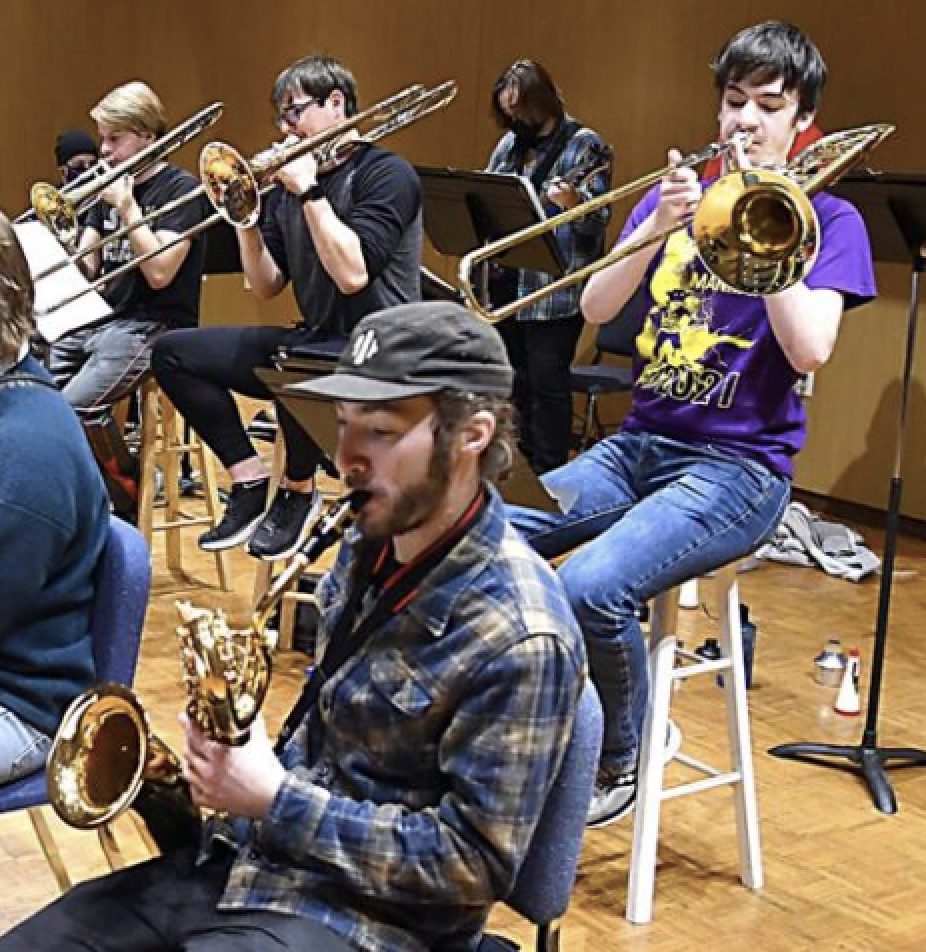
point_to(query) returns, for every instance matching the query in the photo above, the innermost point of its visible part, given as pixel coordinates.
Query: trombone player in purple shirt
(700, 472)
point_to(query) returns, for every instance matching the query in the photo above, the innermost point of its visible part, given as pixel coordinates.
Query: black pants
(199, 369)
(541, 353)
(164, 905)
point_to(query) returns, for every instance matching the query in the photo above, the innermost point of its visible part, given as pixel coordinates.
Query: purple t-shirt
(708, 368)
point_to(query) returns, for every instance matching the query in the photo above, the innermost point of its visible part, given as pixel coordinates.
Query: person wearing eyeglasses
(545, 144)
(348, 239)
(97, 365)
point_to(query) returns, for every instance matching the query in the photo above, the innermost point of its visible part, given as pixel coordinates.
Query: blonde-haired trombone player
(95, 366)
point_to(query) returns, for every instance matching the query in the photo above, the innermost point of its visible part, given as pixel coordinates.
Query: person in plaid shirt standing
(400, 801)
(546, 145)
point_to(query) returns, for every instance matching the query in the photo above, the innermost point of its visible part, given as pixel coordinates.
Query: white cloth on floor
(804, 538)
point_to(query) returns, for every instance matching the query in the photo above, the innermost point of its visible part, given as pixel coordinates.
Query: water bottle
(710, 650)
(749, 642)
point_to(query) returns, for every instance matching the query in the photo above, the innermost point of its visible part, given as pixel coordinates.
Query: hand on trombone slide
(119, 195)
(679, 194)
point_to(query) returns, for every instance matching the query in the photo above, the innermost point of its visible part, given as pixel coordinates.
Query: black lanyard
(397, 589)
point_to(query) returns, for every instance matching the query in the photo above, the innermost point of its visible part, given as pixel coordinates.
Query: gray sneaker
(616, 787)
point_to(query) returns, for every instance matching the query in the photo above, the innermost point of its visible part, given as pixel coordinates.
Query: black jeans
(164, 905)
(199, 369)
(541, 353)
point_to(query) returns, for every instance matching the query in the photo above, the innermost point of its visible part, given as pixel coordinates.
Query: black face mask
(527, 134)
(72, 172)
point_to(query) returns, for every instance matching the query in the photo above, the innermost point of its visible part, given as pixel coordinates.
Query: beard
(415, 505)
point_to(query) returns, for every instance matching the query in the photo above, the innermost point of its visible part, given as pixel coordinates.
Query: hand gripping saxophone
(104, 752)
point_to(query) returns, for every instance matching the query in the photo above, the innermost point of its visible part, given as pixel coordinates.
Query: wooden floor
(840, 876)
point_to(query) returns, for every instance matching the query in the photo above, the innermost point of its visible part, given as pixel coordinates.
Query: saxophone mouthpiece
(358, 498)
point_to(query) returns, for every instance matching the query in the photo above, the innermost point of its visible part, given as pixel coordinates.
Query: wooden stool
(667, 664)
(266, 571)
(161, 445)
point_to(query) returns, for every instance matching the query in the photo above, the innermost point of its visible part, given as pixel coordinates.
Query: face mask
(527, 134)
(72, 172)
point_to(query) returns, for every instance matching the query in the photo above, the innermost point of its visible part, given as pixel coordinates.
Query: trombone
(755, 229)
(235, 185)
(58, 209)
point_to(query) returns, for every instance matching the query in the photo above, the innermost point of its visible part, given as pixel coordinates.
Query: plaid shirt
(581, 241)
(413, 789)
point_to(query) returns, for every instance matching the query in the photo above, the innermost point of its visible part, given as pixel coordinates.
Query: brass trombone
(755, 229)
(235, 186)
(58, 209)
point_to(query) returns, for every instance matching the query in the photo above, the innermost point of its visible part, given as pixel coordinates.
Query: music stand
(464, 210)
(316, 416)
(894, 209)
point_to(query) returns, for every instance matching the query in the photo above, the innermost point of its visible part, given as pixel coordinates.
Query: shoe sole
(604, 821)
(301, 539)
(229, 542)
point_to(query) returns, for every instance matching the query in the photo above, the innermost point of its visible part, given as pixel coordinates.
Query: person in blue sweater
(54, 517)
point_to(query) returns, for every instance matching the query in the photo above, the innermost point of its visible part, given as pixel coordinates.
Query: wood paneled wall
(636, 70)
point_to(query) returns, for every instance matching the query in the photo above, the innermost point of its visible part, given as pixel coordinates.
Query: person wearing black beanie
(75, 152)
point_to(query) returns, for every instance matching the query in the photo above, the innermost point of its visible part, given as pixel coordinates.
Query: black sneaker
(243, 512)
(263, 427)
(286, 527)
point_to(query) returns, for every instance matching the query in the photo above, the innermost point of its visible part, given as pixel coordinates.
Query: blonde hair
(17, 294)
(133, 106)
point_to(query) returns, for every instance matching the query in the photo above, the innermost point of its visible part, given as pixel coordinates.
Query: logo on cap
(365, 346)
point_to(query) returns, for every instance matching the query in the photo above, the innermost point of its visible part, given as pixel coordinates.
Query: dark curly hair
(769, 51)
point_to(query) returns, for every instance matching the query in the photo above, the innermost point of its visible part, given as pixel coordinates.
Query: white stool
(665, 669)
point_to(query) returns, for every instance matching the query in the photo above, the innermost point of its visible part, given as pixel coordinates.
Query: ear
(805, 121)
(336, 98)
(477, 433)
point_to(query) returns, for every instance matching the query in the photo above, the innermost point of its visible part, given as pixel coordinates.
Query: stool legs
(663, 670)
(160, 443)
(650, 771)
(734, 687)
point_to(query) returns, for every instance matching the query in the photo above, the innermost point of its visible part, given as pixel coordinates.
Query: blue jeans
(23, 749)
(95, 367)
(652, 512)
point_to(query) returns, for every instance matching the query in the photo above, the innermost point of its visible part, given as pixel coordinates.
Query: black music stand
(464, 210)
(316, 416)
(894, 209)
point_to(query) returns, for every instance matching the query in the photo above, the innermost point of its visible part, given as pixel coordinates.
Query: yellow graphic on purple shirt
(684, 358)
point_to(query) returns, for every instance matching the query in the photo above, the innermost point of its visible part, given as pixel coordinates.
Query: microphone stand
(867, 757)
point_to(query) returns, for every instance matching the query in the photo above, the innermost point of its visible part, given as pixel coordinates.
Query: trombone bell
(756, 231)
(53, 209)
(230, 184)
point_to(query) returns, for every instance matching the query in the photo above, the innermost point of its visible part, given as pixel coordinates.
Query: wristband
(313, 193)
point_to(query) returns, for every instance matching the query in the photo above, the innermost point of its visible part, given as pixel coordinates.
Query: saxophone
(103, 752)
